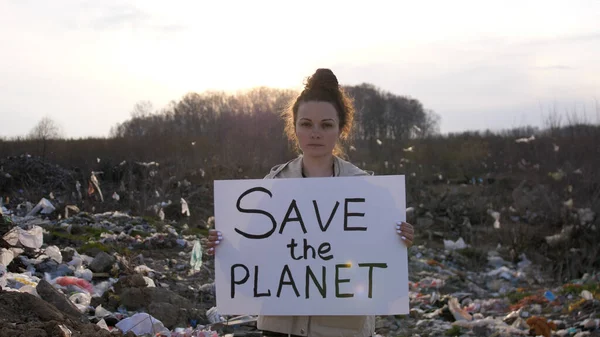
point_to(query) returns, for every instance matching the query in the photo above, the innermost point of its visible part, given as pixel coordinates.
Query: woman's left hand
(406, 232)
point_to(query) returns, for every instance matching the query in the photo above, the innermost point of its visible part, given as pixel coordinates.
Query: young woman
(320, 118)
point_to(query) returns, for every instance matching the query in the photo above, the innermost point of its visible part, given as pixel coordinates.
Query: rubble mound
(26, 315)
(27, 172)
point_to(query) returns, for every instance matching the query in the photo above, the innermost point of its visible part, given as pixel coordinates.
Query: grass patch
(95, 232)
(79, 234)
(576, 289)
(93, 248)
(67, 236)
(453, 331)
(154, 222)
(196, 231)
(516, 296)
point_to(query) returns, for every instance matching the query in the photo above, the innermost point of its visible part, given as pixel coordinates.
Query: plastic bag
(196, 259)
(140, 324)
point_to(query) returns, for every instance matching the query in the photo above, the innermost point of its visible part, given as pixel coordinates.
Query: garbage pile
(25, 172)
(449, 298)
(134, 187)
(100, 275)
(68, 268)
(114, 274)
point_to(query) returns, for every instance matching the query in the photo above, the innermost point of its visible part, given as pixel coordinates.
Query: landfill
(66, 271)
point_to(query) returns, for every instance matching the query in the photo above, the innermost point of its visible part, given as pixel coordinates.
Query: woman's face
(317, 128)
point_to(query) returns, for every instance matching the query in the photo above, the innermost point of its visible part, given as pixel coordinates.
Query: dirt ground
(25, 315)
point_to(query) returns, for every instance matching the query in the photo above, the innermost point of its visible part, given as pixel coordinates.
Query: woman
(320, 118)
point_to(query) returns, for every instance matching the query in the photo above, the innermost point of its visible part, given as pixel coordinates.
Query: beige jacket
(318, 326)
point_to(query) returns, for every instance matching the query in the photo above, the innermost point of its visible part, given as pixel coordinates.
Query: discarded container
(549, 296)
(44, 206)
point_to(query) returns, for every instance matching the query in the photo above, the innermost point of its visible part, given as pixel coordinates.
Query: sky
(477, 64)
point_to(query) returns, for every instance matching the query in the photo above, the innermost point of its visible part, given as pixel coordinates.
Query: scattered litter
(141, 324)
(196, 258)
(44, 206)
(451, 245)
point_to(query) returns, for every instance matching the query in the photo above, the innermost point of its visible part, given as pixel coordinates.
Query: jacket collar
(293, 169)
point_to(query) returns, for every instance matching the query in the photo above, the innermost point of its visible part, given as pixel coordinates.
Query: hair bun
(323, 78)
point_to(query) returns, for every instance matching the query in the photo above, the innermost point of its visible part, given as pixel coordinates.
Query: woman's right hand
(214, 238)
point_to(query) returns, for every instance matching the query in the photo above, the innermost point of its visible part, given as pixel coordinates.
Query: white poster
(311, 246)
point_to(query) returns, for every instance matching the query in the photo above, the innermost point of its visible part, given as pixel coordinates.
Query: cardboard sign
(311, 246)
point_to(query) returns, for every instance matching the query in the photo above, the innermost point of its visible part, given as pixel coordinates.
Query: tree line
(253, 118)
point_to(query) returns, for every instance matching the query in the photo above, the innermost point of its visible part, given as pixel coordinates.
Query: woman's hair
(322, 86)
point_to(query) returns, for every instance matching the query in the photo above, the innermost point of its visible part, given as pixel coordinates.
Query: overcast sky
(478, 64)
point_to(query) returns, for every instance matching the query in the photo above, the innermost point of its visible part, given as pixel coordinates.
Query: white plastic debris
(586, 215)
(184, 207)
(44, 206)
(503, 272)
(100, 312)
(53, 252)
(6, 256)
(213, 315)
(457, 311)
(149, 282)
(452, 245)
(142, 324)
(379, 142)
(81, 301)
(65, 331)
(3, 276)
(586, 294)
(94, 185)
(564, 235)
(32, 238)
(29, 289)
(568, 203)
(84, 273)
(524, 263)
(102, 324)
(496, 216)
(143, 269)
(196, 258)
(116, 197)
(525, 140)
(102, 287)
(78, 189)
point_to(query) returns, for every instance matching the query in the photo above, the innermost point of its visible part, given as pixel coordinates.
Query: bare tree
(45, 130)
(142, 109)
